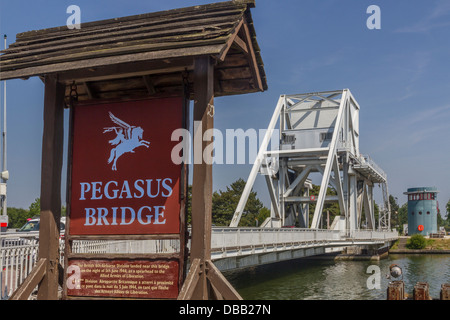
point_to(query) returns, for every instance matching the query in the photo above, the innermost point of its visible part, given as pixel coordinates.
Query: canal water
(325, 279)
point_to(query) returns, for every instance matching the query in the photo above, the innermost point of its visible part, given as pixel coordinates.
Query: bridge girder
(319, 133)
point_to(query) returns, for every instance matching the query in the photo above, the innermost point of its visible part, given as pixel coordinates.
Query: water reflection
(320, 279)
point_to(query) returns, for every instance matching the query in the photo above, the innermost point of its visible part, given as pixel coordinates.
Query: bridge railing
(16, 262)
(231, 237)
(374, 235)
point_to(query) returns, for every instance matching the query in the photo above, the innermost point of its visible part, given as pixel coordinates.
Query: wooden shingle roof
(144, 52)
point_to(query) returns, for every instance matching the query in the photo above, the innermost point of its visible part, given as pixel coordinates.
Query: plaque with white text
(146, 279)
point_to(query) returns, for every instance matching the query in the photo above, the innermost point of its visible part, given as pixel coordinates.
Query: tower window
(420, 212)
(326, 136)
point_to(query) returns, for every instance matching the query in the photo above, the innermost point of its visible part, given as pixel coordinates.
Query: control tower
(422, 210)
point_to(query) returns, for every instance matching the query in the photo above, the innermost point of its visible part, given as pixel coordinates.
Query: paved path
(402, 243)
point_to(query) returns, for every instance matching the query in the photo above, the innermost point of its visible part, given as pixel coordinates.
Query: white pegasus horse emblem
(128, 138)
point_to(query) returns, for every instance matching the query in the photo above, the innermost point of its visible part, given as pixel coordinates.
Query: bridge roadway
(244, 247)
(231, 248)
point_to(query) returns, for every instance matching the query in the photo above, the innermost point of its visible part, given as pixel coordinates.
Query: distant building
(422, 210)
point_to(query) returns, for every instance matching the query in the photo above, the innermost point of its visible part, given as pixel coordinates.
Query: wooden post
(202, 175)
(421, 291)
(31, 281)
(445, 291)
(204, 281)
(396, 290)
(52, 158)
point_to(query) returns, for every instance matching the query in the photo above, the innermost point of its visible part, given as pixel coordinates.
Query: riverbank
(433, 246)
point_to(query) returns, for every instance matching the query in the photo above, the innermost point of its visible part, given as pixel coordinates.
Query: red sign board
(123, 179)
(147, 279)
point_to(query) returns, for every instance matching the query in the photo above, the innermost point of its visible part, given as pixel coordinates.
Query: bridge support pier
(363, 252)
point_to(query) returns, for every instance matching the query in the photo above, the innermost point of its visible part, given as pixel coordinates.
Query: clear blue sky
(399, 74)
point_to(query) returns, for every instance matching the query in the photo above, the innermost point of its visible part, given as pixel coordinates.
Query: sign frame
(182, 236)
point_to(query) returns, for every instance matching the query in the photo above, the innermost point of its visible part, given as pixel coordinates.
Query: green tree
(441, 222)
(402, 216)
(376, 213)
(393, 203)
(17, 217)
(448, 208)
(35, 208)
(224, 204)
(331, 207)
(264, 213)
(444, 221)
(394, 212)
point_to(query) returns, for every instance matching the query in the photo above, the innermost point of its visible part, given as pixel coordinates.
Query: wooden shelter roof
(144, 54)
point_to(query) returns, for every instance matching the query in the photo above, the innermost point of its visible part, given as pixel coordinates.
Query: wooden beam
(198, 284)
(231, 39)
(88, 90)
(252, 58)
(75, 67)
(220, 283)
(197, 43)
(202, 175)
(31, 281)
(241, 44)
(149, 84)
(191, 281)
(52, 158)
(126, 70)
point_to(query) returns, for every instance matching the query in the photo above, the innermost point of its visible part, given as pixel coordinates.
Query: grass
(431, 244)
(395, 245)
(437, 244)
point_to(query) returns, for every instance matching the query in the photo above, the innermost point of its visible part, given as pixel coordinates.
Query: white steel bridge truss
(319, 133)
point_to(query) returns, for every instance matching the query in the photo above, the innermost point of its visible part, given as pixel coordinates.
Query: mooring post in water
(421, 291)
(445, 291)
(396, 290)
